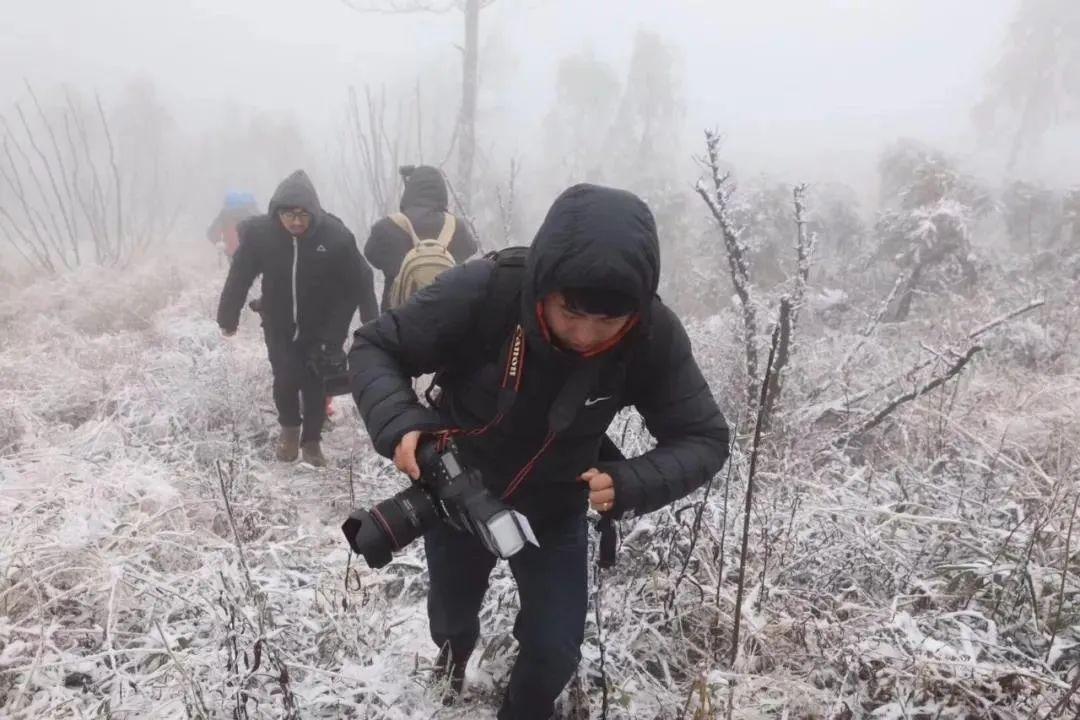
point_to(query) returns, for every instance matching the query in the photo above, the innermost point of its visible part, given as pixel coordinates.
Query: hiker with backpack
(237, 207)
(313, 281)
(411, 247)
(535, 350)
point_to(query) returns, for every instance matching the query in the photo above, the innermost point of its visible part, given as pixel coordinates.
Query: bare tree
(1034, 80)
(369, 161)
(470, 69)
(578, 126)
(67, 197)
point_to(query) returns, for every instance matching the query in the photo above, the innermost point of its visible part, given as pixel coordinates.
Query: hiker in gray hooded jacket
(313, 281)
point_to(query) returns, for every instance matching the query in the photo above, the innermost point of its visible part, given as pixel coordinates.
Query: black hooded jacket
(425, 202)
(323, 266)
(592, 237)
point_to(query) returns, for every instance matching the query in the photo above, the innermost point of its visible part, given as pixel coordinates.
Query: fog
(234, 95)
(869, 223)
(794, 85)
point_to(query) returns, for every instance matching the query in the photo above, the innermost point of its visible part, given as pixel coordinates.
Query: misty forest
(869, 222)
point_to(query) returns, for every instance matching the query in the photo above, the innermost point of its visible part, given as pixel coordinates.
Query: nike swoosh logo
(589, 402)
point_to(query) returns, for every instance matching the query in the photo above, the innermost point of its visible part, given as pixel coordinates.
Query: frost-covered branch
(718, 199)
(878, 416)
(371, 156)
(923, 364)
(901, 280)
(805, 243)
(77, 196)
(759, 427)
(790, 305)
(463, 212)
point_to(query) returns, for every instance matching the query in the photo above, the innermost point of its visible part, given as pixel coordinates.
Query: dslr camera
(331, 366)
(447, 492)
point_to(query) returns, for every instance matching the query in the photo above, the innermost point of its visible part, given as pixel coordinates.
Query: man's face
(296, 220)
(578, 331)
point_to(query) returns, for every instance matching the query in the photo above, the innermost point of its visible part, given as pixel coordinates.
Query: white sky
(790, 82)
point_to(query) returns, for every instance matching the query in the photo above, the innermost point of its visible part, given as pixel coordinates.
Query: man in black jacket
(425, 203)
(596, 339)
(313, 280)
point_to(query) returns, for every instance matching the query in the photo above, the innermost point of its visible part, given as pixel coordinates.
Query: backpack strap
(446, 235)
(502, 302)
(403, 222)
(503, 296)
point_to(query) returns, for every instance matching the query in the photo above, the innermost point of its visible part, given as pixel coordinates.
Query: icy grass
(919, 576)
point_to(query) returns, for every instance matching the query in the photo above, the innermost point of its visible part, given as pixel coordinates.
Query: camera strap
(513, 372)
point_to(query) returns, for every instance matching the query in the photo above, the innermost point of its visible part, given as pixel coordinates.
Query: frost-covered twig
(868, 330)
(1064, 576)
(922, 365)
(785, 327)
(1062, 704)
(754, 452)
(17, 702)
(118, 249)
(193, 687)
(891, 406)
(805, 242)
(790, 306)
(235, 533)
(718, 200)
(464, 213)
(598, 600)
(61, 204)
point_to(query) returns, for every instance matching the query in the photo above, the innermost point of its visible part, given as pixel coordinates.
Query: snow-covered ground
(123, 588)
(922, 579)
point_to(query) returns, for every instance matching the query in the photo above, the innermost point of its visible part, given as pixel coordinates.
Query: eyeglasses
(294, 215)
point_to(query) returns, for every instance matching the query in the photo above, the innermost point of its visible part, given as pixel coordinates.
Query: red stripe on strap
(513, 372)
(524, 473)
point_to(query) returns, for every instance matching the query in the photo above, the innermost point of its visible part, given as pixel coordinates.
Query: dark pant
(293, 381)
(550, 627)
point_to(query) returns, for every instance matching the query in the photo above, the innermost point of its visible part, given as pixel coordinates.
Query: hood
(595, 237)
(425, 188)
(294, 191)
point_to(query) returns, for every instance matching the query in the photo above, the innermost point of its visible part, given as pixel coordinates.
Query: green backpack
(424, 262)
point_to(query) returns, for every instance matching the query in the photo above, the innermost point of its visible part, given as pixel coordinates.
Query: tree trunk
(467, 119)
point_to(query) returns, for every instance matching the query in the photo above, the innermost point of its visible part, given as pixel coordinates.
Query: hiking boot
(313, 454)
(288, 445)
(450, 675)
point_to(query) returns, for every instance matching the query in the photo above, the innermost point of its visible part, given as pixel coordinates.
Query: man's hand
(405, 454)
(601, 489)
(227, 333)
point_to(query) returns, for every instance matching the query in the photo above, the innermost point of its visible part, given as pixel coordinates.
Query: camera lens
(390, 526)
